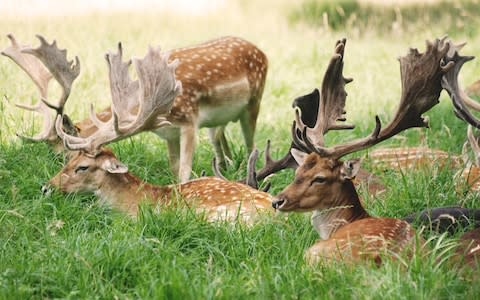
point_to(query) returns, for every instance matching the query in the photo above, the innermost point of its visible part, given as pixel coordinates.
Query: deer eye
(318, 179)
(81, 169)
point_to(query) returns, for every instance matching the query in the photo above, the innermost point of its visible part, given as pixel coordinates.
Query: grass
(69, 246)
(457, 15)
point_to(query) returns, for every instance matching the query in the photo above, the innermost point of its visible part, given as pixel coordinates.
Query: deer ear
(114, 166)
(350, 169)
(298, 155)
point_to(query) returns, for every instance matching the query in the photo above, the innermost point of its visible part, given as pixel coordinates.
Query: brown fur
(349, 232)
(219, 199)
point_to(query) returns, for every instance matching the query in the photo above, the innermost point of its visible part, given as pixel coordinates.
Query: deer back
(365, 239)
(104, 175)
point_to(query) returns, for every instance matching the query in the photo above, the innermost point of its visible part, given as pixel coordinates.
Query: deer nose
(277, 203)
(46, 189)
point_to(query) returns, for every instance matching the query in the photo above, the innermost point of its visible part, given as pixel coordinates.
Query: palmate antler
(459, 98)
(327, 108)
(421, 76)
(41, 64)
(152, 95)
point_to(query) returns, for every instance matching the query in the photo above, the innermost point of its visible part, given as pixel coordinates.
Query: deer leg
(174, 155)
(172, 135)
(215, 136)
(187, 147)
(248, 121)
(223, 141)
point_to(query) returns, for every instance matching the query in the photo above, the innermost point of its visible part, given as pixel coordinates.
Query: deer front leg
(188, 134)
(174, 155)
(172, 135)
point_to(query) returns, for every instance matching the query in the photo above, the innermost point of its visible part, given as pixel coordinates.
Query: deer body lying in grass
(104, 175)
(95, 169)
(223, 81)
(323, 182)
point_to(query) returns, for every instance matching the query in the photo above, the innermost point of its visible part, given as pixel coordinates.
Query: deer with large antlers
(323, 183)
(223, 81)
(95, 169)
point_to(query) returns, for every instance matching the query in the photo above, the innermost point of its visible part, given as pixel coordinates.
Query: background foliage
(68, 246)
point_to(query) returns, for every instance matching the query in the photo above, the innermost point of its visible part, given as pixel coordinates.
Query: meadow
(69, 246)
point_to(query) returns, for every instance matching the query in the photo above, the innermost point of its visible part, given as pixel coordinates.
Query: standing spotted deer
(323, 183)
(95, 169)
(223, 80)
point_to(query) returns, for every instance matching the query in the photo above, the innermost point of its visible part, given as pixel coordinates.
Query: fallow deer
(95, 169)
(473, 89)
(323, 183)
(468, 248)
(450, 219)
(223, 81)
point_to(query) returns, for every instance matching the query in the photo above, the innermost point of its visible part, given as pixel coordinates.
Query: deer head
(323, 180)
(152, 94)
(86, 173)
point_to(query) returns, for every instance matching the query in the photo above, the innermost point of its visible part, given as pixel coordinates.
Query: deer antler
(272, 166)
(152, 94)
(473, 141)
(41, 64)
(421, 86)
(331, 103)
(317, 113)
(460, 99)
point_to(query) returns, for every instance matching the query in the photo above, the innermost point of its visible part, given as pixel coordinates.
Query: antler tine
(40, 77)
(459, 98)
(251, 174)
(152, 95)
(473, 141)
(55, 60)
(216, 170)
(330, 105)
(272, 166)
(34, 69)
(421, 76)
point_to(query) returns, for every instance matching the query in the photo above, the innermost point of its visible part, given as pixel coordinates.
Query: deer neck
(347, 209)
(125, 192)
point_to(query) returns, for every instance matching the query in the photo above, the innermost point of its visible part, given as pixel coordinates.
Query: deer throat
(125, 192)
(346, 210)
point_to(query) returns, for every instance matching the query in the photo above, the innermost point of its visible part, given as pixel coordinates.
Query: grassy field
(68, 246)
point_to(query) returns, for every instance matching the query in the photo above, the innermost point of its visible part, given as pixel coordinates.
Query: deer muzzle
(278, 203)
(46, 189)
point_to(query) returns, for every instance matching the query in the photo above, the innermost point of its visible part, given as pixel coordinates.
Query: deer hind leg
(188, 135)
(248, 121)
(220, 145)
(225, 146)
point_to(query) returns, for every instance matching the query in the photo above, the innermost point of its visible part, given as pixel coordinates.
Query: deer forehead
(315, 164)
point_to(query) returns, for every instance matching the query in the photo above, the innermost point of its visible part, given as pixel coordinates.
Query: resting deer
(468, 249)
(323, 182)
(95, 169)
(223, 81)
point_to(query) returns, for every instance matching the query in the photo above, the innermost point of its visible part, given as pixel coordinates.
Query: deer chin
(285, 205)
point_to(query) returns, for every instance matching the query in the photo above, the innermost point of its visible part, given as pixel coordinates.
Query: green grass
(69, 246)
(456, 15)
